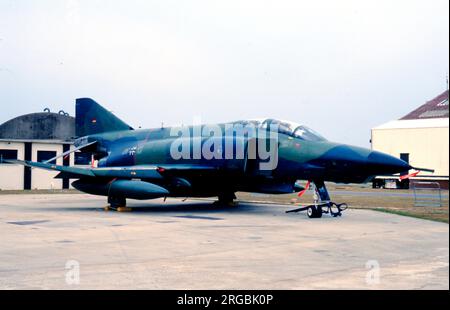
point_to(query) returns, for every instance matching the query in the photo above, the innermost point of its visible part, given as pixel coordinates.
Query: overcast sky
(340, 67)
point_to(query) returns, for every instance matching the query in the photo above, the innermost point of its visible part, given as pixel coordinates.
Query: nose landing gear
(322, 204)
(313, 211)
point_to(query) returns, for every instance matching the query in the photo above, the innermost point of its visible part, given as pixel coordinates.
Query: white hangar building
(36, 137)
(420, 138)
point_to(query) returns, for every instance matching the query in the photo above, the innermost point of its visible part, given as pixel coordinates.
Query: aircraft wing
(139, 172)
(80, 172)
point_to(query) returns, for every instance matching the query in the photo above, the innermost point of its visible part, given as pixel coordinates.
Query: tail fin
(91, 118)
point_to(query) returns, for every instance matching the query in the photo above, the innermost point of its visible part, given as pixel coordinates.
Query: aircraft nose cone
(380, 163)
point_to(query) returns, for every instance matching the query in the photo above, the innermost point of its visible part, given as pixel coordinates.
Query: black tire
(319, 212)
(314, 212)
(226, 198)
(116, 202)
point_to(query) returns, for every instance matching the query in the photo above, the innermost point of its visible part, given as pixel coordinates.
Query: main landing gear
(226, 199)
(117, 204)
(322, 203)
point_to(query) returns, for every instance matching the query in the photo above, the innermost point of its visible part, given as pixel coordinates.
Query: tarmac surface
(67, 241)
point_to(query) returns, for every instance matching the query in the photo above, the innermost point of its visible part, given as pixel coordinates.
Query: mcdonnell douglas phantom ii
(260, 156)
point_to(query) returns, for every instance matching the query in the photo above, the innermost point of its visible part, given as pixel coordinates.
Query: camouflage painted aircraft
(140, 164)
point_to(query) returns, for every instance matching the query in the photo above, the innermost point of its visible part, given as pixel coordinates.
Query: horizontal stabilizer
(70, 151)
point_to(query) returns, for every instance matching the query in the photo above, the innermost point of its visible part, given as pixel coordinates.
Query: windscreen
(289, 128)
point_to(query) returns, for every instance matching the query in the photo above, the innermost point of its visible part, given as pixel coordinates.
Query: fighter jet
(261, 156)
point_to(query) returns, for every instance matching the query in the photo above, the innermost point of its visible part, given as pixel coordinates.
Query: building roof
(435, 108)
(53, 141)
(415, 123)
(39, 126)
(432, 114)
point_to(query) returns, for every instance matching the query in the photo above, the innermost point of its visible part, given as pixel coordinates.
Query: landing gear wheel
(226, 199)
(314, 212)
(117, 203)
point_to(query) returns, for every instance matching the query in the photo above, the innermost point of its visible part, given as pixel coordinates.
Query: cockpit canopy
(289, 128)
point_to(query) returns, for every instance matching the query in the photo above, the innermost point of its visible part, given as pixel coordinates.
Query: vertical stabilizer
(91, 118)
